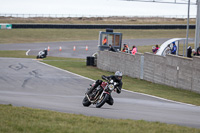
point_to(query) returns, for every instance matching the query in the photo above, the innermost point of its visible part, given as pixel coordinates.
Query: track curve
(26, 82)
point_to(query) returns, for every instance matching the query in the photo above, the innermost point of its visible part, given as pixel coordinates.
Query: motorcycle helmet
(118, 75)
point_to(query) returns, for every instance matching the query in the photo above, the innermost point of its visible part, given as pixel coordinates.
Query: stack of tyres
(90, 61)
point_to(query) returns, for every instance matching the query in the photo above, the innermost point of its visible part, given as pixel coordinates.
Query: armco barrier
(76, 26)
(176, 71)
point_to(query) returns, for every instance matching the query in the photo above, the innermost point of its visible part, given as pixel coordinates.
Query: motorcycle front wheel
(102, 101)
(86, 102)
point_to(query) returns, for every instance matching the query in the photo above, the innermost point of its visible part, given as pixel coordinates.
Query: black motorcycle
(100, 94)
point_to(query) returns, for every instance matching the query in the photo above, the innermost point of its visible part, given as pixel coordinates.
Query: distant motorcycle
(42, 54)
(99, 95)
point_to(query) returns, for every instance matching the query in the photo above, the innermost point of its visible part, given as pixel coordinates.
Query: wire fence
(89, 16)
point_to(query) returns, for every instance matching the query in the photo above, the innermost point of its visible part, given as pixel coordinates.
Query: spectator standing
(173, 51)
(125, 48)
(198, 51)
(155, 49)
(194, 52)
(134, 50)
(189, 52)
(105, 41)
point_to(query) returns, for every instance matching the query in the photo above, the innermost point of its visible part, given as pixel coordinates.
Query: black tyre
(102, 101)
(86, 102)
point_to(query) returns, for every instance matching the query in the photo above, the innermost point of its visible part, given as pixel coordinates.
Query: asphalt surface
(29, 83)
(80, 47)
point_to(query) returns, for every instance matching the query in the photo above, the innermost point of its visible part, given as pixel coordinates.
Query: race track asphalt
(80, 47)
(29, 83)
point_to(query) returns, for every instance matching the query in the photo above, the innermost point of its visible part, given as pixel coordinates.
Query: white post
(197, 26)
(188, 18)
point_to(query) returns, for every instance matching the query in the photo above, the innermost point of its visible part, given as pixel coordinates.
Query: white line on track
(65, 71)
(122, 89)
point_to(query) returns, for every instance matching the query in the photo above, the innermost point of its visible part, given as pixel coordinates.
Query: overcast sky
(95, 7)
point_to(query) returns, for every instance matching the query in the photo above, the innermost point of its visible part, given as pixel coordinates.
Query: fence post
(142, 67)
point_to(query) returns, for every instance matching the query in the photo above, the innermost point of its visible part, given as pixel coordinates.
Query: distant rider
(42, 54)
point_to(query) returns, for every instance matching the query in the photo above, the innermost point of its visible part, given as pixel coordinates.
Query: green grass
(27, 120)
(97, 20)
(17, 54)
(56, 35)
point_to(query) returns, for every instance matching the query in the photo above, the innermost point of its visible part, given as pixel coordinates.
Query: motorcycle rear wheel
(102, 101)
(86, 102)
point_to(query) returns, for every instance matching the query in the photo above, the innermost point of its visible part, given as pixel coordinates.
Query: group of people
(127, 50)
(191, 51)
(155, 48)
(173, 50)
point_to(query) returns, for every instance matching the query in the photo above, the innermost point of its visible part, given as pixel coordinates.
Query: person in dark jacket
(189, 52)
(42, 54)
(111, 48)
(45, 52)
(198, 51)
(116, 78)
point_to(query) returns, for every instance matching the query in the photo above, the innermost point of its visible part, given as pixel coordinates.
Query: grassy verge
(27, 120)
(79, 66)
(96, 20)
(53, 35)
(17, 54)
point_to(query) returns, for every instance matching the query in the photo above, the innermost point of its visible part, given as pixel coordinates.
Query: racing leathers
(118, 87)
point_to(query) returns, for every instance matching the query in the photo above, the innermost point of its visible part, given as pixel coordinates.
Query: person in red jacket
(105, 41)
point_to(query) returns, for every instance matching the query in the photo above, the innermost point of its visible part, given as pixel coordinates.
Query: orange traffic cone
(74, 48)
(48, 48)
(86, 48)
(60, 48)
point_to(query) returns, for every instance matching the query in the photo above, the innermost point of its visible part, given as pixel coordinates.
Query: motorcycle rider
(116, 78)
(42, 54)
